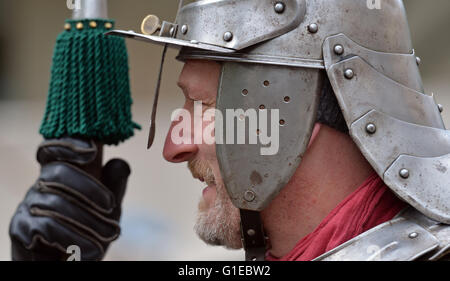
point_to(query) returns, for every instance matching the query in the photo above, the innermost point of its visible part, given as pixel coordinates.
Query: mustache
(201, 170)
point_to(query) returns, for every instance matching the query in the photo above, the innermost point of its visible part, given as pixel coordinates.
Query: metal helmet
(278, 54)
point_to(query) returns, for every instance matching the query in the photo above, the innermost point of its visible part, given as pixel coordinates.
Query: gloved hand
(67, 206)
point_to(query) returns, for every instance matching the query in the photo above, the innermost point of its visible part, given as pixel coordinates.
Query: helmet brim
(171, 42)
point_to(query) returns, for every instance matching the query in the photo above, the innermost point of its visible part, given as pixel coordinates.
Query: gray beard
(219, 225)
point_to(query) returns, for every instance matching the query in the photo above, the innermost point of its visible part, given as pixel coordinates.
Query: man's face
(218, 221)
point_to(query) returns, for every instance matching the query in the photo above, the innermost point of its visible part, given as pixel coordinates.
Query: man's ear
(314, 134)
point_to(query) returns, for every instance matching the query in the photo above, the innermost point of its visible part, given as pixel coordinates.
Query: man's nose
(178, 153)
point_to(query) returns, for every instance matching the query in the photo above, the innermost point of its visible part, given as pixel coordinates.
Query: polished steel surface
(249, 21)
(246, 172)
(91, 9)
(409, 236)
(370, 89)
(426, 188)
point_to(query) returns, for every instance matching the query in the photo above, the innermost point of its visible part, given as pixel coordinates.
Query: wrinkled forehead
(200, 79)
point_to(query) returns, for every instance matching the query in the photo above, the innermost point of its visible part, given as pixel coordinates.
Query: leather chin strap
(253, 238)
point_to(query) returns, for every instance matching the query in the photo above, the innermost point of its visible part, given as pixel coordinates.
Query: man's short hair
(329, 112)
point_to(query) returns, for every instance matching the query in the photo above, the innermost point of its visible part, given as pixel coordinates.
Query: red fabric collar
(370, 205)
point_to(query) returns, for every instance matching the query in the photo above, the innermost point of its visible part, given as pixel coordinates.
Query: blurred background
(161, 201)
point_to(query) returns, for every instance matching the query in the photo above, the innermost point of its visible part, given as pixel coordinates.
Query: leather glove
(68, 206)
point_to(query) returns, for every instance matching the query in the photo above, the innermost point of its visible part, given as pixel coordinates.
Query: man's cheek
(209, 195)
(208, 130)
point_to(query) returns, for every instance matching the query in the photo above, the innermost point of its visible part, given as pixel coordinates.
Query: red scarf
(370, 205)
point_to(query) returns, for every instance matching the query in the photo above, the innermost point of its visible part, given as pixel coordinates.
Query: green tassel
(89, 94)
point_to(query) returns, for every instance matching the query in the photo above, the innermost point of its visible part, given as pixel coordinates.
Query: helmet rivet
(313, 28)
(338, 49)
(371, 128)
(440, 107)
(228, 36)
(172, 31)
(349, 74)
(279, 7)
(418, 60)
(404, 173)
(249, 196)
(251, 232)
(413, 235)
(184, 29)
